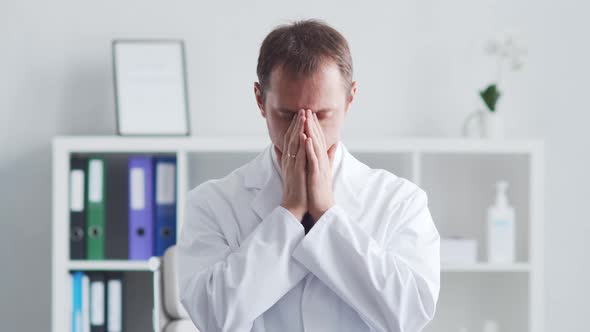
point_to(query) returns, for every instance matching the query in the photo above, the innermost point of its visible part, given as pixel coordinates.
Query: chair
(175, 319)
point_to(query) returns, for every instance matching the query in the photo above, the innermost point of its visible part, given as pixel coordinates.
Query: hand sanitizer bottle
(501, 235)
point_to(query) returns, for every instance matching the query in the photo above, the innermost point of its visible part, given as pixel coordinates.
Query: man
(305, 237)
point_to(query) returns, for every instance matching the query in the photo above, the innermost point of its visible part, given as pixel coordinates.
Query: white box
(458, 251)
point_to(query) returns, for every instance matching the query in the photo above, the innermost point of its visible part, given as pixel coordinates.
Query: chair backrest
(174, 309)
(178, 319)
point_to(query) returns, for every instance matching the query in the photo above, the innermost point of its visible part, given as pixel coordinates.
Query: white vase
(484, 124)
(494, 125)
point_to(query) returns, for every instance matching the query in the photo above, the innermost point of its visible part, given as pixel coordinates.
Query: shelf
(486, 267)
(114, 265)
(116, 144)
(256, 144)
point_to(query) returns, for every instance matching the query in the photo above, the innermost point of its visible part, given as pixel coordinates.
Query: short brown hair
(301, 48)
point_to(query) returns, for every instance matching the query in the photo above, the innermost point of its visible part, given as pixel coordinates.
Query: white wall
(418, 66)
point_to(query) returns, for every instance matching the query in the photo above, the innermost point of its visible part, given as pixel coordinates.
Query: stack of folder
(122, 207)
(97, 302)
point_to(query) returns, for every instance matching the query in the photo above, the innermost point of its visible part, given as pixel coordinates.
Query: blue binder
(165, 198)
(77, 301)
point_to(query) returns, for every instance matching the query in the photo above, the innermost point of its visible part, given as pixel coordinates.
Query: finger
(312, 131)
(316, 139)
(294, 130)
(311, 157)
(301, 160)
(323, 155)
(320, 139)
(294, 140)
(287, 136)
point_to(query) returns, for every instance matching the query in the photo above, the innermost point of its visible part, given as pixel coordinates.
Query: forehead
(323, 89)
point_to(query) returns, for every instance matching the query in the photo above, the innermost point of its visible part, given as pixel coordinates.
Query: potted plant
(490, 121)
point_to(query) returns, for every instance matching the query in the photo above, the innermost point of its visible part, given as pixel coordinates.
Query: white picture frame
(150, 87)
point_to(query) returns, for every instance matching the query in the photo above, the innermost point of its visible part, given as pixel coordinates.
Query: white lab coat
(370, 263)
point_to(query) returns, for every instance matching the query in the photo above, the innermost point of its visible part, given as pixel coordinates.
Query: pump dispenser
(501, 230)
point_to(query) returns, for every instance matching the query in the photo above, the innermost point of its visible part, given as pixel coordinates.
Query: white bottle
(501, 232)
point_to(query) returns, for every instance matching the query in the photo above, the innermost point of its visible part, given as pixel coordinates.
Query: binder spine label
(76, 190)
(115, 307)
(95, 172)
(137, 178)
(165, 183)
(97, 303)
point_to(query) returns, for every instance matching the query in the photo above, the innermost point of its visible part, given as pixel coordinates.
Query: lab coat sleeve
(393, 286)
(226, 289)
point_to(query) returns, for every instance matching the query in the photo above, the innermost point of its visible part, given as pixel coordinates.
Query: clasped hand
(306, 167)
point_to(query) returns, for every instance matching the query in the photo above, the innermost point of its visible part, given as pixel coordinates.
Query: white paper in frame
(150, 87)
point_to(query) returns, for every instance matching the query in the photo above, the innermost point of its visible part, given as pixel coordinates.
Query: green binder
(95, 209)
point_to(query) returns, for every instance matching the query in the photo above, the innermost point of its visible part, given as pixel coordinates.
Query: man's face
(323, 92)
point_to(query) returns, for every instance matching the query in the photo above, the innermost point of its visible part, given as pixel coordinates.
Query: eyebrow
(295, 111)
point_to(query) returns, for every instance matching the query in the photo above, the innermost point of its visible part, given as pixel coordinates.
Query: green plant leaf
(490, 96)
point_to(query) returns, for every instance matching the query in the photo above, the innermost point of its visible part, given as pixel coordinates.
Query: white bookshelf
(484, 267)
(484, 288)
(114, 265)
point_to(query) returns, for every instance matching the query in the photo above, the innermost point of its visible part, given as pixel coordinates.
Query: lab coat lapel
(349, 177)
(262, 177)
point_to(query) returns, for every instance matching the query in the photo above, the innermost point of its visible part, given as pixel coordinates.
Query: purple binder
(141, 208)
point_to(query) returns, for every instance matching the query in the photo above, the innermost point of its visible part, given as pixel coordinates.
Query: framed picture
(150, 87)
